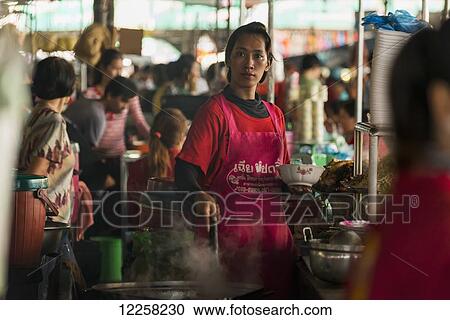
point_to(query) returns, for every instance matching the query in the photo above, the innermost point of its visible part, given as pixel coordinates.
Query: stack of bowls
(387, 47)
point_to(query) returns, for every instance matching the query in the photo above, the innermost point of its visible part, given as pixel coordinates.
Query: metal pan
(173, 290)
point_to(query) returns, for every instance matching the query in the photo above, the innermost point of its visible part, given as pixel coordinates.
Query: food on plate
(384, 180)
(335, 172)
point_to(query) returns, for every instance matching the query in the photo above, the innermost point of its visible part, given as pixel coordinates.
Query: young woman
(231, 152)
(187, 78)
(46, 149)
(408, 254)
(112, 144)
(166, 140)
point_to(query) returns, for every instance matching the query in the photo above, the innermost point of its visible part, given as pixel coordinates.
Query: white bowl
(300, 174)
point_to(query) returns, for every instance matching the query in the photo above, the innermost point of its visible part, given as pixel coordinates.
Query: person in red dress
(166, 140)
(407, 257)
(231, 152)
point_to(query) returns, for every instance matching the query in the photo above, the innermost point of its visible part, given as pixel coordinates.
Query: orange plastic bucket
(30, 204)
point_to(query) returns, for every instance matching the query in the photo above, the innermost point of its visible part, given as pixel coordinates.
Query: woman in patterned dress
(46, 151)
(45, 148)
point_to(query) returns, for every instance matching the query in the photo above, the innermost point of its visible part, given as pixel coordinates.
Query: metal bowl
(332, 262)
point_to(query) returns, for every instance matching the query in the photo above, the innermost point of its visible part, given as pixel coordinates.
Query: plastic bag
(401, 20)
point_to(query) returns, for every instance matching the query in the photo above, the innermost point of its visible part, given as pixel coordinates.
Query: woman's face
(114, 69)
(195, 70)
(346, 122)
(248, 61)
(115, 104)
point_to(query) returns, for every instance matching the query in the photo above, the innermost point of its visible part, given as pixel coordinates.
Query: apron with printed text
(255, 242)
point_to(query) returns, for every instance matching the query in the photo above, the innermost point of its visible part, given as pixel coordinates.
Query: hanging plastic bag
(401, 20)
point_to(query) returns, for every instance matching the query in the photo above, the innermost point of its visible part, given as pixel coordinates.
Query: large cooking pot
(174, 290)
(332, 262)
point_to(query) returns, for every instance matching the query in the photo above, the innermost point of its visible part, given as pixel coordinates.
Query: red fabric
(414, 258)
(76, 188)
(85, 215)
(138, 172)
(208, 137)
(263, 90)
(138, 175)
(254, 239)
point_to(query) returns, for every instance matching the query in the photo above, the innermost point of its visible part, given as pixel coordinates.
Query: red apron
(255, 243)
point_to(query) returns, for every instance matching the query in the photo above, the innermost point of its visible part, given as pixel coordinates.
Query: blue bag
(401, 20)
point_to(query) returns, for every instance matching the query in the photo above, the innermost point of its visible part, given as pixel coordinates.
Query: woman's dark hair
(255, 28)
(423, 60)
(211, 72)
(171, 70)
(309, 61)
(53, 78)
(121, 87)
(349, 107)
(160, 76)
(168, 129)
(184, 66)
(108, 56)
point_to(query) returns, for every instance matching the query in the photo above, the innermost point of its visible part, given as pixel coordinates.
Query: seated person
(216, 77)
(90, 118)
(346, 124)
(166, 140)
(113, 142)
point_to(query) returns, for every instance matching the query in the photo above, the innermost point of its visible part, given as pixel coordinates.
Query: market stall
(323, 197)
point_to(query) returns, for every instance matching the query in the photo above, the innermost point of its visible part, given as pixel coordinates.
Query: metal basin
(332, 262)
(174, 290)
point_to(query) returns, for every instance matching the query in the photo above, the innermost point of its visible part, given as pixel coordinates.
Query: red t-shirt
(138, 172)
(207, 140)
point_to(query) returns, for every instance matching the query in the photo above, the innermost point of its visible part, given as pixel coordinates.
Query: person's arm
(38, 166)
(98, 125)
(138, 117)
(199, 151)
(286, 156)
(186, 178)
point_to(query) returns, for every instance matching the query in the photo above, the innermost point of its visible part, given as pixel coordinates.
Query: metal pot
(161, 184)
(173, 290)
(331, 262)
(360, 227)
